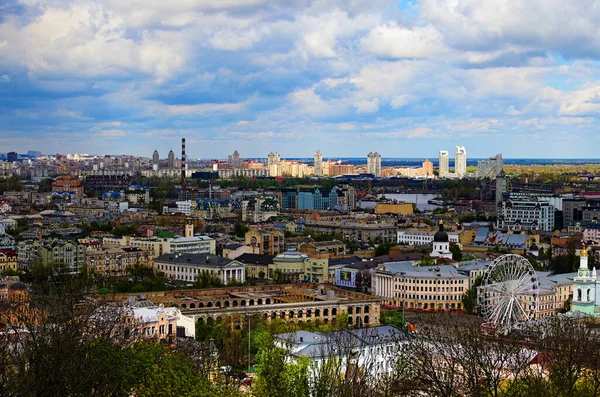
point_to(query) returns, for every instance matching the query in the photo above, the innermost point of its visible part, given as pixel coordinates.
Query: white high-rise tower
(444, 167)
(374, 164)
(318, 166)
(460, 162)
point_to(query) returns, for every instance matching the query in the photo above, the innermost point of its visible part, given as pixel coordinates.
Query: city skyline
(100, 76)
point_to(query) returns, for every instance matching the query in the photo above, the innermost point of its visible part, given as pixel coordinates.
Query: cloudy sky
(405, 78)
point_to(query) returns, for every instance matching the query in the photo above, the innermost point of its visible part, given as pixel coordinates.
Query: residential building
(444, 167)
(460, 161)
(264, 241)
(117, 261)
(525, 213)
(295, 266)
(165, 245)
(171, 160)
(402, 284)
(427, 168)
(155, 160)
(234, 160)
(316, 200)
(502, 187)
(8, 260)
(62, 254)
(318, 163)
(259, 209)
(161, 324)
(373, 349)
(190, 267)
(323, 249)
(490, 168)
(12, 157)
(591, 233)
(68, 184)
(357, 231)
(374, 164)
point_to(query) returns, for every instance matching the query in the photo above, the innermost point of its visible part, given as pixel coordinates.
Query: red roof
(8, 252)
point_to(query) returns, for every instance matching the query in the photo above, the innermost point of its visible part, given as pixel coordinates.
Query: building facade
(190, 267)
(401, 284)
(460, 161)
(525, 213)
(444, 166)
(318, 164)
(374, 164)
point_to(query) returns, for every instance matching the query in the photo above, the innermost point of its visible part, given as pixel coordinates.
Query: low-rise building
(257, 265)
(356, 231)
(402, 284)
(189, 267)
(374, 349)
(295, 266)
(162, 324)
(8, 260)
(61, 254)
(117, 261)
(264, 241)
(421, 237)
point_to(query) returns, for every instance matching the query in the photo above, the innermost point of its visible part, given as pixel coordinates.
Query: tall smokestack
(183, 163)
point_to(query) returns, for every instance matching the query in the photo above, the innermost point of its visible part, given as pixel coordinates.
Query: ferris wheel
(509, 292)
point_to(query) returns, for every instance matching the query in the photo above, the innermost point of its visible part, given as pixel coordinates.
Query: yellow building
(264, 241)
(401, 284)
(8, 260)
(394, 208)
(296, 266)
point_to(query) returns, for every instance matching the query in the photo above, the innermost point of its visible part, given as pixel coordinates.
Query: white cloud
(4, 78)
(393, 41)
(399, 101)
(366, 106)
(112, 133)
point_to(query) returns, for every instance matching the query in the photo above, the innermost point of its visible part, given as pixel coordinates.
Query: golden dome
(583, 251)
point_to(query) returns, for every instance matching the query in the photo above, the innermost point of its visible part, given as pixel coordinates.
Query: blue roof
(481, 235)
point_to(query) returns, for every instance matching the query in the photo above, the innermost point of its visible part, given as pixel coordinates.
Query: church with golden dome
(586, 290)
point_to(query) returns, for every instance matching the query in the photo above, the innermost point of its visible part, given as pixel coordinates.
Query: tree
(469, 300)
(395, 318)
(456, 252)
(240, 229)
(427, 261)
(384, 248)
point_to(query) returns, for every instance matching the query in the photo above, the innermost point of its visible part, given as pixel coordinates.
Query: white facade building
(444, 168)
(189, 267)
(525, 213)
(420, 237)
(460, 161)
(318, 164)
(373, 349)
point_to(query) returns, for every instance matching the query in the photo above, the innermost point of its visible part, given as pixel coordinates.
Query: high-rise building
(490, 168)
(234, 160)
(444, 168)
(318, 166)
(12, 157)
(374, 164)
(155, 158)
(460, 161)
(171, 160)
(502, 186)
(427, 168)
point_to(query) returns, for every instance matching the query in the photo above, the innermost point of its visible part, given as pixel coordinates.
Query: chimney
(183, 163)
